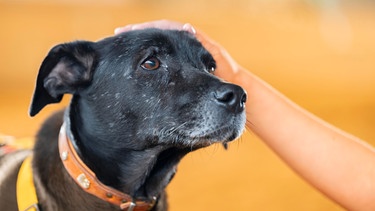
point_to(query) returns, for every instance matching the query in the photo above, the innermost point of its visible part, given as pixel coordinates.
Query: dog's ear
(66, 69)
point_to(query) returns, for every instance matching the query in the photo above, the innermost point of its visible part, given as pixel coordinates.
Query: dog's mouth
(222, 135)
(199, 139)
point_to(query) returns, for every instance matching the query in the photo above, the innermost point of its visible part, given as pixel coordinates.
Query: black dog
(141, 101)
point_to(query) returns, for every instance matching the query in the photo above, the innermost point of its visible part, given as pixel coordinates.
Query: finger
(189, 28)
(161, 24)
(119, 30)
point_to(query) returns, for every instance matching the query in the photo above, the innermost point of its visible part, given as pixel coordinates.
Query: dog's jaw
(205, 132)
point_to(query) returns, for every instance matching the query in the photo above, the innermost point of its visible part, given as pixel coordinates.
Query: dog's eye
(209, 62)
(211, 67)
(151, 64)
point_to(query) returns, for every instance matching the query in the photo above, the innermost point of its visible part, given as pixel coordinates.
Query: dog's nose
(231, 96)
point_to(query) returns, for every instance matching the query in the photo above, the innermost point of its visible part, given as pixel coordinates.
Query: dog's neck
(143, 174)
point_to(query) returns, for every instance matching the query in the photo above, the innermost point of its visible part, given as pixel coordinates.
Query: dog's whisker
(248, 124)
(178, 127)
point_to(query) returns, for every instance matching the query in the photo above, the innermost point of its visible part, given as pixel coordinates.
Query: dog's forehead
(167, 40)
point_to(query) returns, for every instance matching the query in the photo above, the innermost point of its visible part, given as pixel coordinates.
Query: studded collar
(87, 180)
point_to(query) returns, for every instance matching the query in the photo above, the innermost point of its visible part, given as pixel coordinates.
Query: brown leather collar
(87, 180)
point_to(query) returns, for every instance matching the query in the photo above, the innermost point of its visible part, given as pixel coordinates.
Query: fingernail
(117, 30)
(135, 27)
(188, 27)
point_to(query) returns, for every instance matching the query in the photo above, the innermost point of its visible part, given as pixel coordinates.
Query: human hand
(226, 67)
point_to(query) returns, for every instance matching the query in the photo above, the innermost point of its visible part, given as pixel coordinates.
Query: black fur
(141, 101)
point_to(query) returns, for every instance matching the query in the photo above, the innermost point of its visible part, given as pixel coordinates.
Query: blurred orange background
(321, 54)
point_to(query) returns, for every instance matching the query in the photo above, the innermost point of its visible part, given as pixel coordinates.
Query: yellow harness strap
(26, 194)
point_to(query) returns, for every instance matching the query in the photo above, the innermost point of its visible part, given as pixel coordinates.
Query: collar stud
(83, 181)
(64, 155)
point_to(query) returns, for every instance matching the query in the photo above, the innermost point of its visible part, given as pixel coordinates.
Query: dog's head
(141, 101)
(151, 84)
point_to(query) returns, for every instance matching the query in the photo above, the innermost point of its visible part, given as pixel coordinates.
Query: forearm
(338, 164)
